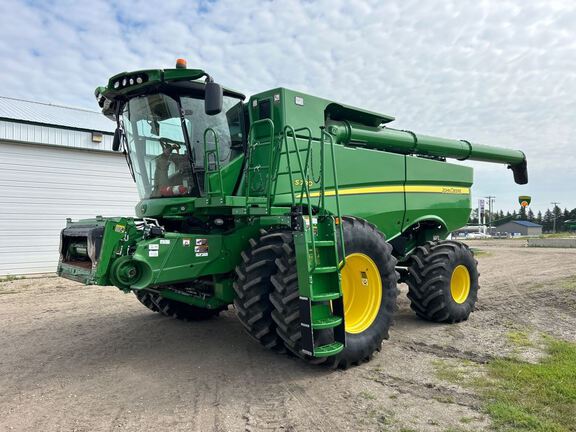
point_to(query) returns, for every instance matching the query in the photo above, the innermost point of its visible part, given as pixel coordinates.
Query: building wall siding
(42, 185)
(36, 134)
(511, 227)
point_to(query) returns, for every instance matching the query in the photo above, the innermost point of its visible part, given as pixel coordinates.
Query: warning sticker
(120, 228)
(201, 248)
(186, 242)
(153, 247)
(152, 253)
(201, 251)
(164, 241)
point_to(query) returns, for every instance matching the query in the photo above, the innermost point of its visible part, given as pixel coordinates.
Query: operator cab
(166, 120)
(165, 134)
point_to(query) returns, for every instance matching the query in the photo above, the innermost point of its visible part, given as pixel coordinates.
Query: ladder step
(288, 172)
(257, 200)
(324, 323)
(260, 144)
(254, 168)
(325, 296)
(293, 151)
(329, 269)
(328, 350)
(325, 243)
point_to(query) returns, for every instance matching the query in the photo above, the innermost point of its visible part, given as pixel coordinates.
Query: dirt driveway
(93, 359)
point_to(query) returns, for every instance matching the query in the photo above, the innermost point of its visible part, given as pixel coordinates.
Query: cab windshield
(165, 140)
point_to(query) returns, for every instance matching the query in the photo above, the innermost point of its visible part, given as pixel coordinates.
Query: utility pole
(490, 199)
(555, 204)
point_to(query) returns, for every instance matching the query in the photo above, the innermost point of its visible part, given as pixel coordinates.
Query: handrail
(207, 153)
(336, 193)
(303, 198)
(249, 168)
(304, 173)
(290, 131)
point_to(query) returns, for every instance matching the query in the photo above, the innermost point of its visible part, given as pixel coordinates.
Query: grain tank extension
(301, 212)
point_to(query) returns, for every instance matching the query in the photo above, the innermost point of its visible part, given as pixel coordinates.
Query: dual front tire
(369, 295)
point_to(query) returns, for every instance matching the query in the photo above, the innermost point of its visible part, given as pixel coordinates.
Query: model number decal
(300, 182)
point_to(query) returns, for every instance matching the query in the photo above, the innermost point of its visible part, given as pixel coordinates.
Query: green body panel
(172, 258)
(451, 205)
(301, 154)
(371, 181)
(230, 175)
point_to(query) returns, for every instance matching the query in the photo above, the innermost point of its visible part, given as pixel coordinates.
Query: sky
(493, 72)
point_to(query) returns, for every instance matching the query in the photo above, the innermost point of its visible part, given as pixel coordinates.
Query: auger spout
(408, 142)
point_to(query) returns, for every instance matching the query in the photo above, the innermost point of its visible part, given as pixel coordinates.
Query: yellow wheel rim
(361, 291)
(460, 284)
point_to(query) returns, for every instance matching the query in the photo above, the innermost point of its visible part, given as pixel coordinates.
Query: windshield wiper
(120, 125)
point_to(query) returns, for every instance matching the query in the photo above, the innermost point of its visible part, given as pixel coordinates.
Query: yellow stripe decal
(397, 189)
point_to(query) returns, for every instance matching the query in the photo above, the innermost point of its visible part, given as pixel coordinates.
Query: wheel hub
(362, 292)
(460, 284)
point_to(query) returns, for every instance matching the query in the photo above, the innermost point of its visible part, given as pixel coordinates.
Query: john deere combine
(302, 212)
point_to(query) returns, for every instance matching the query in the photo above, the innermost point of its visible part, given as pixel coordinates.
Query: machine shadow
(149, 342)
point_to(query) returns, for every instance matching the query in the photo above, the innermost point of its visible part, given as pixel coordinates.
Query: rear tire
(442, 281)
(253, 286)
(361, 239)
(175, 309)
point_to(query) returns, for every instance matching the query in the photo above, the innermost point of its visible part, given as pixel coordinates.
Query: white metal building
(55, 162)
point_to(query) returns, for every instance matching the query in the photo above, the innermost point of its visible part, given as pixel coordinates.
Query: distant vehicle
(501, 235)
(478, 235)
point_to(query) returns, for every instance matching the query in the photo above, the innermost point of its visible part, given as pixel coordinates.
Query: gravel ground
(93, 359)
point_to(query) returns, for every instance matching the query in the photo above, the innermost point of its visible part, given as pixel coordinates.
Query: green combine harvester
(302, 212)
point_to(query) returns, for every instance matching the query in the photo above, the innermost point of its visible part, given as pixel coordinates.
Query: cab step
(328, 350)
(328, 322)
(322, 297)
(321, 304)
(327, 269)
(325, 243)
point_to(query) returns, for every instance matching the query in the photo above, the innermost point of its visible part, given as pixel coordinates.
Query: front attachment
(80, 246)
(89, 246)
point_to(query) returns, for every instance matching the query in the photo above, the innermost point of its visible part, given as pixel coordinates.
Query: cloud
(495, 72)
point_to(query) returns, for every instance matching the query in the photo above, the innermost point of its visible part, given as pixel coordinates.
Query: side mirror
(117, 139)
(213, 96)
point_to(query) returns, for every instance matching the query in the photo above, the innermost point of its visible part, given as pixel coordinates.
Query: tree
(530, 215)
(556, 218)
(547, 221)
(522, 214)
(539, 218)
